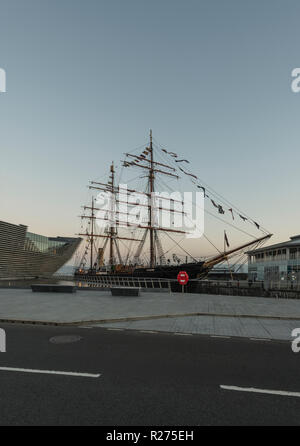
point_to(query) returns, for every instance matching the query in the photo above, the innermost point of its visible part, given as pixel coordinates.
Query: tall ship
(24, 254)
(130, 230)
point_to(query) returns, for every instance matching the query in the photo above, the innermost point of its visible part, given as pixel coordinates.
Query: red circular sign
(183, 277)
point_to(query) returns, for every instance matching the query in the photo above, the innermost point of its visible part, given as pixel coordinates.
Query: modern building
(274, 263)
(24, 254)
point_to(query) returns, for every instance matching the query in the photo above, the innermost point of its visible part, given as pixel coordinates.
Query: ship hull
(194, 271)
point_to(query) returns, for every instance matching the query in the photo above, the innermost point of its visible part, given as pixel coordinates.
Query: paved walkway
(185, 313)
(215, 326)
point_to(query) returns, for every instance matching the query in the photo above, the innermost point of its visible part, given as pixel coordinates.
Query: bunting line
(217, 206)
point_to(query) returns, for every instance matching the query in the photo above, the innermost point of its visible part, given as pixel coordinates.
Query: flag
(190, 174)
(243, 218)
(226, 239)
(256, 224)
(181, 161)
(169, 153)
(220, 209)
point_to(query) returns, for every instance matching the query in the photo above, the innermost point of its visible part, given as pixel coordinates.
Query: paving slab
(268, 329)
(268, 318)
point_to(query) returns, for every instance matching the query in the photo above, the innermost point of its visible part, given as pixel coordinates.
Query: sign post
(182, 279)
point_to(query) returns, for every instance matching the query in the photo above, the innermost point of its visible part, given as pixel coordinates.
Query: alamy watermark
(174, 211)
(295, 85)
(2, 81)
(296, 342)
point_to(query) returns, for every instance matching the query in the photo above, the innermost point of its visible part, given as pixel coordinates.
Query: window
(40, 243)
(293, 253)
(271, 273)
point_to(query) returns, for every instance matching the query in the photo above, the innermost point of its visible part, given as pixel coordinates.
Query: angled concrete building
(24, 254)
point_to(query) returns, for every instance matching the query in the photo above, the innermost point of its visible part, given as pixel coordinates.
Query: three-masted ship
(116, 221)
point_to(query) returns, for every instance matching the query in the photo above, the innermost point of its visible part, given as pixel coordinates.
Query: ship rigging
(122, 212)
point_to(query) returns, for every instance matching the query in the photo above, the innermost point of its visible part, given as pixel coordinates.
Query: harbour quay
(186, 313)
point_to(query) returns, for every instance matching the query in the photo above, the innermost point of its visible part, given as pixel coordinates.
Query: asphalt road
(145, 379)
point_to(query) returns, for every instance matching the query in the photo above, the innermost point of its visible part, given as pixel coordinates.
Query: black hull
(194, 271)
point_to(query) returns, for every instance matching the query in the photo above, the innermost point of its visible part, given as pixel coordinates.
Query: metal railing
(282, 285)
(237, 287)
(112, 281)
(231, 283)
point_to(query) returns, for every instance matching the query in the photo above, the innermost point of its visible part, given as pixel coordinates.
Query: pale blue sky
(87, 79)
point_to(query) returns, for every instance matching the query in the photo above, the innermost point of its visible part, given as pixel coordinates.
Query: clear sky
(86, 79)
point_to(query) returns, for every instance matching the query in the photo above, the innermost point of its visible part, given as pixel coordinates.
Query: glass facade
(40, 243)
(294, 253)
(271, 273)
(277, 263)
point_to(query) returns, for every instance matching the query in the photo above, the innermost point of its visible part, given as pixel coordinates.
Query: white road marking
(147, 331)
(260, 339)
(219, 336)
(85, 326)
(115, 329)
(50, 372)
(255, 390)
(183, 334)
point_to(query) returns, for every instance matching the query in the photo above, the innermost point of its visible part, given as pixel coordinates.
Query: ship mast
(92, 235)
(111, 235)
(144, 161)
(151, 190)
(112, 229)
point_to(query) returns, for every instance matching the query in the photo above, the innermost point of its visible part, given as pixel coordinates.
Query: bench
(125, 291)
(53, 288)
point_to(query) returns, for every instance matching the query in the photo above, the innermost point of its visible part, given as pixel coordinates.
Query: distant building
(280, 262)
